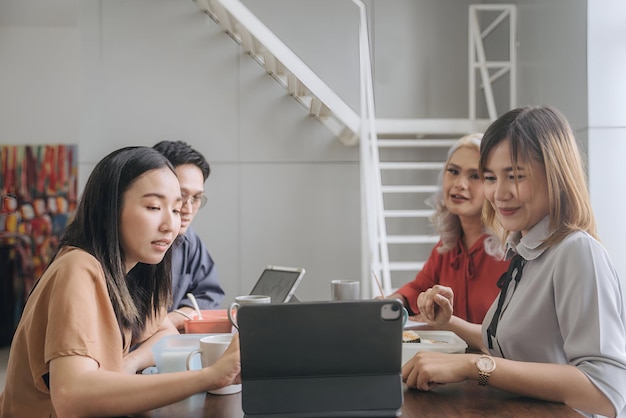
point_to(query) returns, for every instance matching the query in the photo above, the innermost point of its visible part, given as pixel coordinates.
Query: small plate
(441, 341)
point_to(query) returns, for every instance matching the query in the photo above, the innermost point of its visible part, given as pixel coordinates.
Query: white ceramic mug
(345, 290)
(245, 300)
(211, 349)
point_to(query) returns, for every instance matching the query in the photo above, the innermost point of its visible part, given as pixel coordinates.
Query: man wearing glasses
(193, 269)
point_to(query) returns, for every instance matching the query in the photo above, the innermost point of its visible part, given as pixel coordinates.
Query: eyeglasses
(197, 202)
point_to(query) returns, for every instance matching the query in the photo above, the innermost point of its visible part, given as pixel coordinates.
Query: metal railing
(375, 256)
(479, 15)
(324, 104)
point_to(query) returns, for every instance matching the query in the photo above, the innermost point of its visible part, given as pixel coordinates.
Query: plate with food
(414, 341)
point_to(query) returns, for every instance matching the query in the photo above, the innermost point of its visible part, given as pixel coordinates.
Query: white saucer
(228, 390)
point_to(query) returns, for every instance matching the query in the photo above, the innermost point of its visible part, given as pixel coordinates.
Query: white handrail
(376, 257)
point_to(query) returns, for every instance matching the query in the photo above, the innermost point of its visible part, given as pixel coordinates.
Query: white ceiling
(39, 12)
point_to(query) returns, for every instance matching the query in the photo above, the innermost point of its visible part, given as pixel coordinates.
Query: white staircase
(400, 159)
(410, 165)
(285, 67)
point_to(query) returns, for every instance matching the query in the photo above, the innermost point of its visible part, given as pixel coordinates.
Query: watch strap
(485, 371)
(483, 378)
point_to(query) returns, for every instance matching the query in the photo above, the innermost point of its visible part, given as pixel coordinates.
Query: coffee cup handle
(190, 356)
(233, 307)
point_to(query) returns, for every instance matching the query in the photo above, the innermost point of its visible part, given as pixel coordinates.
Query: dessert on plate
(409, 336)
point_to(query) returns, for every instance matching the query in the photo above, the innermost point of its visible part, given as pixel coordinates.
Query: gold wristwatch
(486, 365)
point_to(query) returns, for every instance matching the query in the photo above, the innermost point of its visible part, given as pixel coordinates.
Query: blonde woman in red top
(466, 259)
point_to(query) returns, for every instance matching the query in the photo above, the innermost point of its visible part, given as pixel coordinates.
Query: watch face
(486, 364)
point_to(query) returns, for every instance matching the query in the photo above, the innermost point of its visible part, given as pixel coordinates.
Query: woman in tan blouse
(105, 291)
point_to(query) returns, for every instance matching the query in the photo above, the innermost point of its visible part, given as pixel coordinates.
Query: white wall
(552, 56)
(39, 89)
(606, 66)
(283, 190)
(421, 55)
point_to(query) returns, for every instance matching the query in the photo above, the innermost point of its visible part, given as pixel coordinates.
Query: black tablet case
(320, 359)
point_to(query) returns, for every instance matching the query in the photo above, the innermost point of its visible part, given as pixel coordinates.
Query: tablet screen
(278, 284)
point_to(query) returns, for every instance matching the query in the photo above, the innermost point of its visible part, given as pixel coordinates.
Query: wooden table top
(466, 399)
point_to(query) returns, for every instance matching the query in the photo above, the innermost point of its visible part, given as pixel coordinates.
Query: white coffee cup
(345, 290)
(245, 300)
(211, 349)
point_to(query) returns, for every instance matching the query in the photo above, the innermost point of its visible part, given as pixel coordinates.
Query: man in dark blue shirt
(193, 269)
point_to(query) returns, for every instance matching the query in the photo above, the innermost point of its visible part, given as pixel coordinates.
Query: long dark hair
(96, 229)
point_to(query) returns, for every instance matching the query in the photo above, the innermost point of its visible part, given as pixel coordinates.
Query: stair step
(407, 266)
(416, 143)
(409, 189)
(408, 213)
(411, 166)
(449, 127)
(412, 239)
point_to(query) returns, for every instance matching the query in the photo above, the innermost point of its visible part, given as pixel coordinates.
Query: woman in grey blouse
(558, 328)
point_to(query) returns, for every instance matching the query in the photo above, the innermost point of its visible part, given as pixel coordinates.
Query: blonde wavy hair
(542, 134)
(447, 224)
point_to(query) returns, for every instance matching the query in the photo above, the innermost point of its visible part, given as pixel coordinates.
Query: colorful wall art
(38, 188)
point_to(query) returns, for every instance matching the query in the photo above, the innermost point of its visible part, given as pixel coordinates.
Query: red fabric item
(472, 275)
